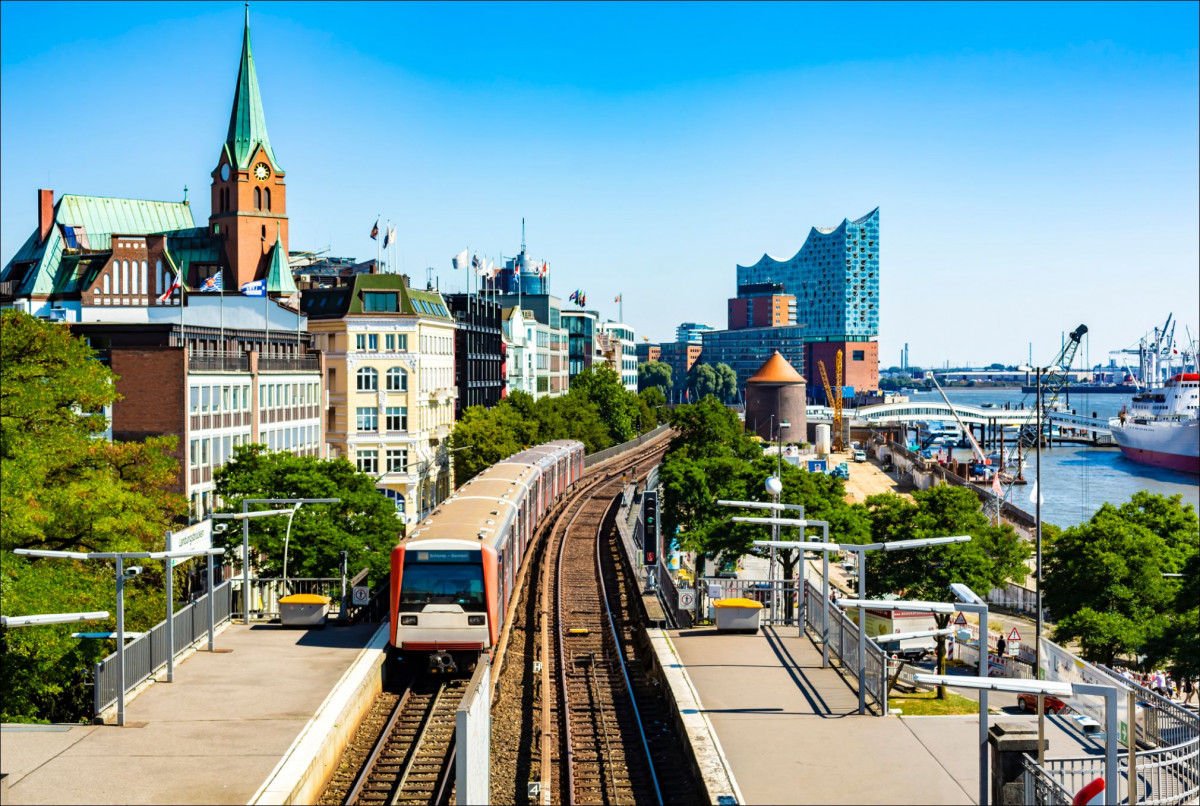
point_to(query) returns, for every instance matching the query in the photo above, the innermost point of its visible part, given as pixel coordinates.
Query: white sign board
(686, 599)
(197, 537)
(360, 595)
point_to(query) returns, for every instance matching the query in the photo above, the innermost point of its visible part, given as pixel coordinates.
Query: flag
(485, 270)
(214, 283)
(375, 230)
(460, 260)
(1036, 497)
(617, 298)
(389, 236)
(175, 286)
(572, 297)
(256, 288)
(475, 262)
(545, 268)
(996, 485)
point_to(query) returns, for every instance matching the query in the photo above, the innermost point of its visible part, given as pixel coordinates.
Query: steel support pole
(983, 706)
(120, 641)
(246, 563)
(825, 604)
(211, 605)
(862, 633)
(1112, 772)
(1037, 509)
(170, 570)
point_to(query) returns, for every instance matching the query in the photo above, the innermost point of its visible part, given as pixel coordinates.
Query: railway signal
(650, 533)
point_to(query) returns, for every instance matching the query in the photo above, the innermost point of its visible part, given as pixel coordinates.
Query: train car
(453, 577)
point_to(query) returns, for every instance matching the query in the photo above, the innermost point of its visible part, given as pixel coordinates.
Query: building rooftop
(776, 369)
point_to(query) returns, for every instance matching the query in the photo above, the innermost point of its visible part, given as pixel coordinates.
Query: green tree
(993, 557)
(727, 385)
(65, 488)
(1104, 579)
(702, 380)
(363, 524)
(572, 417)
(484, 436)
(1177, 646)
(652, 401)
(654, 375)
(601, 386)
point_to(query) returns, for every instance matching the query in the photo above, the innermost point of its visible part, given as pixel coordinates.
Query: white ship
(1161, 428)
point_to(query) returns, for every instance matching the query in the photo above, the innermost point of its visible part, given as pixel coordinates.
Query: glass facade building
(745, 350)
(834, 278)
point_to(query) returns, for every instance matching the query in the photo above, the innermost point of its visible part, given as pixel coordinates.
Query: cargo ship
(1161, 426)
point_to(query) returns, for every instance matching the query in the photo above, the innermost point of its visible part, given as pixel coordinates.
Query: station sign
(197, 537)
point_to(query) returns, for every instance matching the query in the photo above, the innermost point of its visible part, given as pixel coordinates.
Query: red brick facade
(248, 213)
(152, 382)
(768, 311)
(860, 363)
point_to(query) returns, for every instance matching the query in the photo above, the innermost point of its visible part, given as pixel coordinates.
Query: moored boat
(1161, 427)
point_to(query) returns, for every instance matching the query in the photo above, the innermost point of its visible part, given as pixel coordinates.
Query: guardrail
(147, 654)
(608, 453)
(843, 644)
(780, 598)
(266, 592)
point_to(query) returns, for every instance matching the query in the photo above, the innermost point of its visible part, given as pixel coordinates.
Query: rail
(146, 655)
(843, 645)
(265, 593)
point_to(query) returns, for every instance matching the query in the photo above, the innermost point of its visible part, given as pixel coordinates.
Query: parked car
(860, 456)
(1028, 703)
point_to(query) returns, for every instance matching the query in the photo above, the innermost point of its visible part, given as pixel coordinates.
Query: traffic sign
(360, 595)
(686, 599)
(960, 619)
(1014, 636)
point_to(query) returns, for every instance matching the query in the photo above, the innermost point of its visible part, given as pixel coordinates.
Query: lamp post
(287, 537)
(244, 516)
(1037, 511)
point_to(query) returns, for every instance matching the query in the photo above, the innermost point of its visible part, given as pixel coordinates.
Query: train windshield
(442, 577)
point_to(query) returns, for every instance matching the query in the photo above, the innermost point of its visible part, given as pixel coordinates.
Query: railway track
(412, 760)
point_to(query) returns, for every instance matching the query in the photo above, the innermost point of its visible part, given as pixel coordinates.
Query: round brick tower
(776, 389)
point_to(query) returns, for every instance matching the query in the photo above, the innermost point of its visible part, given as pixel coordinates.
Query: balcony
(219, 362)
(308, 363)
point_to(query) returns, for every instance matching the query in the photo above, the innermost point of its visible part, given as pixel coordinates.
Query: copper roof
(776, 369)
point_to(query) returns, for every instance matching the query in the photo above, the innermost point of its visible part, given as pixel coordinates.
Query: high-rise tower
(249, 196)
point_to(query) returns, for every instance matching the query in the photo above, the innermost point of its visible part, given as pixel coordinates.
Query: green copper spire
(247, 123)
(279, 273)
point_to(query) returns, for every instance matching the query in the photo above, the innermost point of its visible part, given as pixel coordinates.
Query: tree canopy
(1104, 579)
(364, 524)
(64, 487)
(654, 375)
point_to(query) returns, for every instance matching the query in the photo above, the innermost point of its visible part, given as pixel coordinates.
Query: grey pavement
(212, 736)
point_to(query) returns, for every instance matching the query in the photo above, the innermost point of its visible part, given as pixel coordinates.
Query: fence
(265, 594)
(780, 598)
(147, 654)
(843, 644)
(608, 453)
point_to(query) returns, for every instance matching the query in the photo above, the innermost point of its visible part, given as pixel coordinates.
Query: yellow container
(737, 615)
(750, 603)
(303, 610)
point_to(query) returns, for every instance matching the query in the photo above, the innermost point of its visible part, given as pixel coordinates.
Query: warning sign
(960, 620)
(1014, 636)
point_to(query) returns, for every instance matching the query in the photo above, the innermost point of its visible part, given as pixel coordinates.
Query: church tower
(249, 197)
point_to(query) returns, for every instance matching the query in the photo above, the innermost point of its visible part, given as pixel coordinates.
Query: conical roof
(776, 369)
(279, 274)
(247, 123)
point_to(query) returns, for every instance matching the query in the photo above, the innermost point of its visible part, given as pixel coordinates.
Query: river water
(1077, 480)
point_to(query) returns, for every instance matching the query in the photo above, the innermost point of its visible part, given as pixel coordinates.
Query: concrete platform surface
(212, 736)
(790, 730)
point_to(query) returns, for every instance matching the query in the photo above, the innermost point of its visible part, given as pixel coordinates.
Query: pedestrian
(1189, 691)
(1000, 646)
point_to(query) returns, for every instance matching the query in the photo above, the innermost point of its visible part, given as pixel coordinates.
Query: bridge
(930, 411)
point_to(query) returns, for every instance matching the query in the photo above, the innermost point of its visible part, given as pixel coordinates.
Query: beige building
(389, 353)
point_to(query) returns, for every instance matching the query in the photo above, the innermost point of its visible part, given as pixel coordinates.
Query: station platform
(783, 730)
(217, 734)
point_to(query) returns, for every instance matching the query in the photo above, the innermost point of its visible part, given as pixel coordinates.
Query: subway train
(453, 577)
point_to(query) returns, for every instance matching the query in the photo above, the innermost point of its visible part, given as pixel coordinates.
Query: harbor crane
(1054, 381)
(834, 397)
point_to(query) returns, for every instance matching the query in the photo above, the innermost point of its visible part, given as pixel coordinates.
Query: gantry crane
(834, 398)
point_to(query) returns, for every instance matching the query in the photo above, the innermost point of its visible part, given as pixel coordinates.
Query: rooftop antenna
(522, 235)
(185, 194)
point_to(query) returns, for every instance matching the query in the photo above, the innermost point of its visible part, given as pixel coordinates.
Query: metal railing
(147, 654)
(1041, 789)
(303, 364)
(780, 598)
(219, 362)
(843, 645)
(608, 453)
(266, 592)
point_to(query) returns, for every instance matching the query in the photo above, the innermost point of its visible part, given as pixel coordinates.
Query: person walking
(1000, 646)
(1189, 691)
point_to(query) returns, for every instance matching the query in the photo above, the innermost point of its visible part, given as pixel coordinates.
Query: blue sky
(1036, 165)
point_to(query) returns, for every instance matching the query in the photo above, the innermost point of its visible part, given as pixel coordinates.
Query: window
(380, 301)
(859, 355)
(368, 419)
(267, 193)
(397, 380)
(195, 400)
(367, 341)
(368, 461)
(194, 453)
(204, 399)
(389, 341)
(402, 343)
(368, 380)
(397, 418)
(258, 203)
(397, 460)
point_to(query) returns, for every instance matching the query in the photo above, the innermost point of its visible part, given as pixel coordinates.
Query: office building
(648, 352)
(546, 340)
(680, 356)
(583, 340)
(479, 351)
(692, 331)
(745, 350)
(519, 355)
(389, 353)
(619, 347)
(761, 305)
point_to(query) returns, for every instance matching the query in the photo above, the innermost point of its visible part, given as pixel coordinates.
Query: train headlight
(408, 621)
(475, 621)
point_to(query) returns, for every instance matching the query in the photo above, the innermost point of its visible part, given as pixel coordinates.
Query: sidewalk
(212, 736)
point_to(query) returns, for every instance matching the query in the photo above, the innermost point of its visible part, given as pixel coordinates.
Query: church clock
(261, 171)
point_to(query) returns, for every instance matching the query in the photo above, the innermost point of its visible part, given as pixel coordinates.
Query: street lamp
(51, 618)
(286, 539)
(1037, 508)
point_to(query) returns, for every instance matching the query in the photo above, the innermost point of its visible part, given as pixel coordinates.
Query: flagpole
(221, 291)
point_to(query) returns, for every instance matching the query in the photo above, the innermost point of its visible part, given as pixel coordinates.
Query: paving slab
(212, 736)
(790, 729)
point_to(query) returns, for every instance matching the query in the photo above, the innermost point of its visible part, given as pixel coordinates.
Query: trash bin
(303, 610)
(740, 615)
